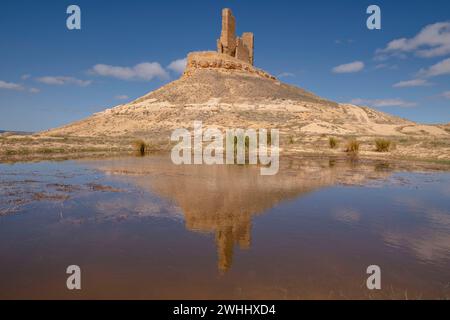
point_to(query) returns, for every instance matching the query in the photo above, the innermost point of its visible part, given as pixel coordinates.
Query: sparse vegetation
(50, 150)
(353, 146)
(332, 142)
(140, 146)
(383, 145)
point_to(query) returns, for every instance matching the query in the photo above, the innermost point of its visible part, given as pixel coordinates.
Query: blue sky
(50, 76)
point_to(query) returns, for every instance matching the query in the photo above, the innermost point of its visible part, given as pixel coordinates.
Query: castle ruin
(237, 47)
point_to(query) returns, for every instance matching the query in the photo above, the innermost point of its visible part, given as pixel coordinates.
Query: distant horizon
(52, 76)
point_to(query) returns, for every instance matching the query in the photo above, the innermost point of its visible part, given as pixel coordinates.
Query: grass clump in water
(140, 146)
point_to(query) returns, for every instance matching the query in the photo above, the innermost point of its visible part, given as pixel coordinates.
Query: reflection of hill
(223, 199)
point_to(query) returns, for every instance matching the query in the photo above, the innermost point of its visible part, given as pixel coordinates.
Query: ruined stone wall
(242, 51)
(229, 44)
(247, 39)
(227, 41)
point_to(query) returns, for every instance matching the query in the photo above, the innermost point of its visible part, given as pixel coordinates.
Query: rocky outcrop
(221, 62)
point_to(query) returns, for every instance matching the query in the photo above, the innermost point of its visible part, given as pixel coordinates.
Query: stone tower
(237, 47)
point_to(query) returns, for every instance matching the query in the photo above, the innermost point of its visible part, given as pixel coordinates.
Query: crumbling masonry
(237, 47)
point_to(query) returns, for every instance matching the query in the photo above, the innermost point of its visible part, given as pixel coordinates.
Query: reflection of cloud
(125, 208)
(347, 215)
(440, 218)
(426, 244)
(446, 190)
(412, 203)
(429, 241)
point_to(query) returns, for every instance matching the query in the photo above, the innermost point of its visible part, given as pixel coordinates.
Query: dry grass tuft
(353, 146)
(332, 142)
(383, 145)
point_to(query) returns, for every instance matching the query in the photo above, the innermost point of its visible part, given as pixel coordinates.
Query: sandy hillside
(225, 92)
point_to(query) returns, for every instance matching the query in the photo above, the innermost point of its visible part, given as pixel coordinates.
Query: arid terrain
(224, 92)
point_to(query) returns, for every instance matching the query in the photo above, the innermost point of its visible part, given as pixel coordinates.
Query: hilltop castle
(237, 47)
(234, 54)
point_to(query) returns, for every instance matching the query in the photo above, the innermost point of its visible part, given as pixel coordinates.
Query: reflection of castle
(223, 199)
(225, 240)
(231, 227)
(237, 47)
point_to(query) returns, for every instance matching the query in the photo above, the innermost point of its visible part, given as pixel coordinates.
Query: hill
(225, 92)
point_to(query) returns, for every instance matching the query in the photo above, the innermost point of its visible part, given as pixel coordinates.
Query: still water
(144, 228)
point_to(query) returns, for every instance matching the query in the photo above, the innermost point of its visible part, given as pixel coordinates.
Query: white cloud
(178, 65)
(381, 66)
(61, 80)
(121, 97)
(10, 85)
(412, 83)
(25, 76)
(349, 67)
(446, 94)
(386, 66)
(286, 75)
(141, 71)
(341, 41)
(381, 103)
(432, 41)
(437, 69)
(15, 86)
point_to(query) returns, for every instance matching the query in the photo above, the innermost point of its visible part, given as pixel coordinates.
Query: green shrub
(382, 145)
